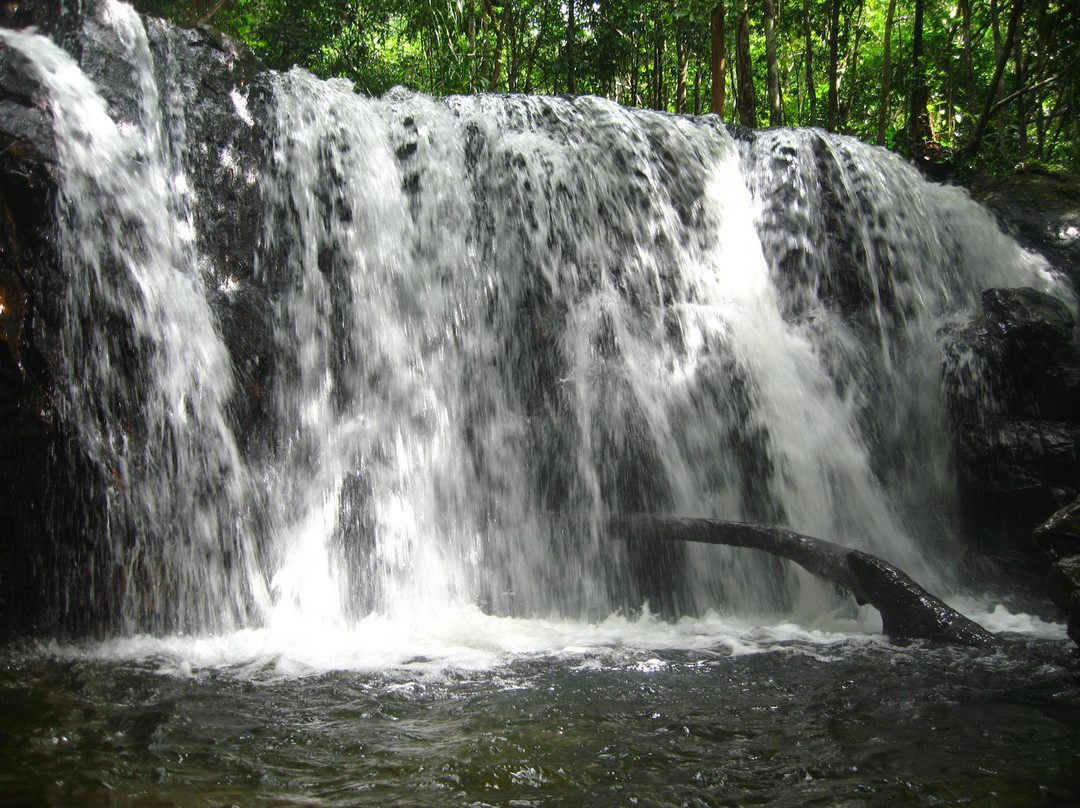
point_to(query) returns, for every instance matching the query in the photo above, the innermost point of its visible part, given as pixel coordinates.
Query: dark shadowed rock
(1059, 535)
(1028, 315)
(1012, 376)
(1063, 583)
(1063, 587)
(61, 20)
(1041, 209)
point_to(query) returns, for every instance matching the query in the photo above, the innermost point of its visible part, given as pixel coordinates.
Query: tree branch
(908, 611)
(1049, 81)
(973, 144)
(210, 14)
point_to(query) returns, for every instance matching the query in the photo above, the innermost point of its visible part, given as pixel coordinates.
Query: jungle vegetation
(988, 83)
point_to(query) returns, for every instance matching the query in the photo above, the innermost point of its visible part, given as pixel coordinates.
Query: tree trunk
(834, 66)
(549, 18)
(496, 52)
(965, 55)
(1021, 99)
(919, 120)
(886, 70)
(908, 612)
(571, 35)
(776, 112)
(658, 65)
(471, 13)
(682, 51)
(995, 24)
(718, 58)
(1046, 36)
(510, 23)
(811, 90)
(851, 63)
(973, 144)
(744, 71)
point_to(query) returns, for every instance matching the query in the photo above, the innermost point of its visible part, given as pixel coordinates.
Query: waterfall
(147, 376)
(497, 321)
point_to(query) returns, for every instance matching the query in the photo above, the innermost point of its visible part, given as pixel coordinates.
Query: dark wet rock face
(31, 437)
(223, 93)
(1059, 536)
(1042, 210)
(1017, 432)
(61, 20)
(1026, 316)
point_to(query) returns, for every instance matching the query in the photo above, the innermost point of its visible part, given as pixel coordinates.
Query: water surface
(756, 716)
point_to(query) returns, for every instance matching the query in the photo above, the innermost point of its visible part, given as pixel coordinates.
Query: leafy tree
(990, 81)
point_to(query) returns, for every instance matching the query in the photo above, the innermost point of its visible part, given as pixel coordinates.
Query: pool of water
(616, 714)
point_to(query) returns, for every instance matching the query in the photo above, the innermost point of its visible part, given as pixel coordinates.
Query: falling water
(148, 377)
(497, 321)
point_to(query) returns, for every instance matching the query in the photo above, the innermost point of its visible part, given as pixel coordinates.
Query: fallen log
(908, 612)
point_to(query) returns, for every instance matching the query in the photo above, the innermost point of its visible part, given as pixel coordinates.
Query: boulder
(1027, 314)
(1012, 379)
(1063, 583)
(1041, 209)
(1063, 587)
(1059, 535)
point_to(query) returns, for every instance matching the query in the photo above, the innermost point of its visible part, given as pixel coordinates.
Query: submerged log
(908, 612)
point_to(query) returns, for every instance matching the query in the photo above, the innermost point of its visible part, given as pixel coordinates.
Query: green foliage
(634, 51)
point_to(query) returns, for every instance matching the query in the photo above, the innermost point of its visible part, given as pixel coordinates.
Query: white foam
(996, 617)
(463, 641)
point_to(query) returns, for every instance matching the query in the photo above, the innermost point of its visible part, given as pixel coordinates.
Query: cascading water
(499, 320)
(148, 378)
(870, 263)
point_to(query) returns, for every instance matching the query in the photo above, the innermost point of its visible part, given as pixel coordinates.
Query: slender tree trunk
(851, 63)
(513, 20)
(496, 52)
(205, 18)
(975, 142)
(718, 58)
(834, 65)
(1021, 99)
(995, 24)
(682, 53)
(697, 91)
(811, 90)
(571, 35)
(1046, 36)
(732, 78)
(965, 55)
(776, 112)
(658, 65)
(919, 120)
(534, 51)
(886, 78)
(471, 15)
(744, 70)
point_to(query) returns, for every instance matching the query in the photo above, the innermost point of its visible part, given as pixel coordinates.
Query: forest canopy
(992, 83)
